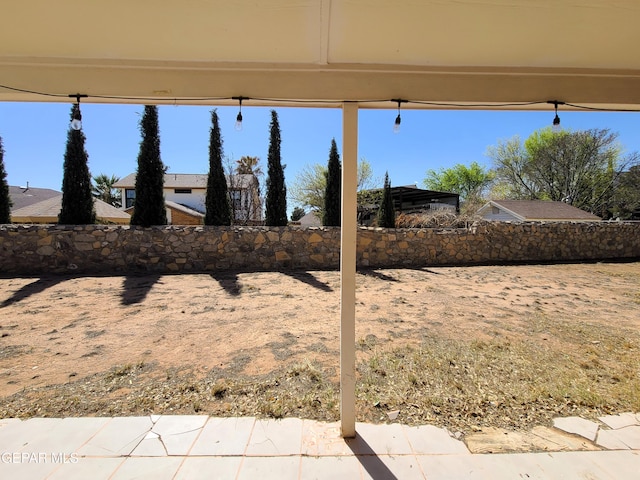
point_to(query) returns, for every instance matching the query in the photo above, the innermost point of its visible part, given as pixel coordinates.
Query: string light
(556, 120)
(76, 118)
(238, 125)
(396, 124)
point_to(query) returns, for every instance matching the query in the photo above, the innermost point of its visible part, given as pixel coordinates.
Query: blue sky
(34, 137)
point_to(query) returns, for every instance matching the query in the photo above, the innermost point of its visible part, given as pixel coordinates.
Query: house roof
(183, 208)
(47, 211)
(531, 210)
(310, 219)
(188, 180)
(24, 196)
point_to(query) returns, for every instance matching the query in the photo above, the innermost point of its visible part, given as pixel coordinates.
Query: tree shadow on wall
(135, 288)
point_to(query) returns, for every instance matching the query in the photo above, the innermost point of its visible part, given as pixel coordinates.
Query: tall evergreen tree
(217, 201)
(276, 203)
(5, 199)
(332, 205)
(149, 206)
(386, 213)
(77, 200)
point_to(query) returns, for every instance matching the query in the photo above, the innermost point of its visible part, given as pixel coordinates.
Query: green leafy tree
(626, 202)
(149, 208)
(297, 214)
(310, 185)
(276, 201)
(5, 199)
(332, 196)
(103, 189)
(580, 168)
(218, 209)
(77, 201)
(386, 212)
(470, 182)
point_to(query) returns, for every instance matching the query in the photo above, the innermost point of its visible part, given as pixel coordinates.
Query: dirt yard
(131, 345)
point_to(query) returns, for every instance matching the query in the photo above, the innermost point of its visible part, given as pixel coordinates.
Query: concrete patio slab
(607, 439)
(279, 449)
(118, 437)
(157, 468)
(620, 421)
(209, 468)
(93, 468)
(67, 436)
(312, 468)
(323, 439)
(618, 464)
(376, 467)
(171, 435)
(430, 440)
(577, 426)
(224, 436)
(381, 439)
(276, 438)
(269, 468)
(17, 435)
(630, 436)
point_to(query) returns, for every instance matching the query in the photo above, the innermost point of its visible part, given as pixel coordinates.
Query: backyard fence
(101, 249)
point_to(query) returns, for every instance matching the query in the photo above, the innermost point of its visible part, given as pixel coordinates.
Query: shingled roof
(539, 210)
(47, 211)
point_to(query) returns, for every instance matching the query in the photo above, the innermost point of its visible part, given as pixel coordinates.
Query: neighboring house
(25, 196)
(311, 219)
(47, 211)
(189, 190)
(410, 199)
(534, 211)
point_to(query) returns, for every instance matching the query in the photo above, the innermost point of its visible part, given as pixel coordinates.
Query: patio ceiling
(464, 51)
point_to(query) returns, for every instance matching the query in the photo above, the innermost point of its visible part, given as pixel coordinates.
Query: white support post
(348, 270)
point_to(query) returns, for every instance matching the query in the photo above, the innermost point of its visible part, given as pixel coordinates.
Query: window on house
(130, 197)
(181, 190)
(236, 199)
(495, 210)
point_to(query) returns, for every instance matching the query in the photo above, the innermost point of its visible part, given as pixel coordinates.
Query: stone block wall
(87, 249)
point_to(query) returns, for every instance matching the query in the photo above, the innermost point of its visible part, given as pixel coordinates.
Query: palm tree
(248, 166)
(103, 189)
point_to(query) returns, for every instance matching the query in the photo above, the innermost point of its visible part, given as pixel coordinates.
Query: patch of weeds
(318, 347)
(9, 351)
(281, 350)
(94, 333)
(367, 343)
(512, 384)
(219, 389)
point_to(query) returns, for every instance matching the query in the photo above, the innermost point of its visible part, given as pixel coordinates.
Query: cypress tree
(217, 201)
(149, 206)
(276, 202)
(332, 193)
(386, 213)
(77, 200)
(5, 199)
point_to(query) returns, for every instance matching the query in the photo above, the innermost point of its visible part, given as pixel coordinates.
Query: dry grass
(463, 385)
(463, 348)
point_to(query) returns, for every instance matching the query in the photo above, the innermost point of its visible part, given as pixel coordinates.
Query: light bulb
(555, 128)
(76, 124)
(238, 126)
(396, 125)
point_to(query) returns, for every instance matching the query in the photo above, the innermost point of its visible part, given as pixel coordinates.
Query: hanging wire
(320, 102)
